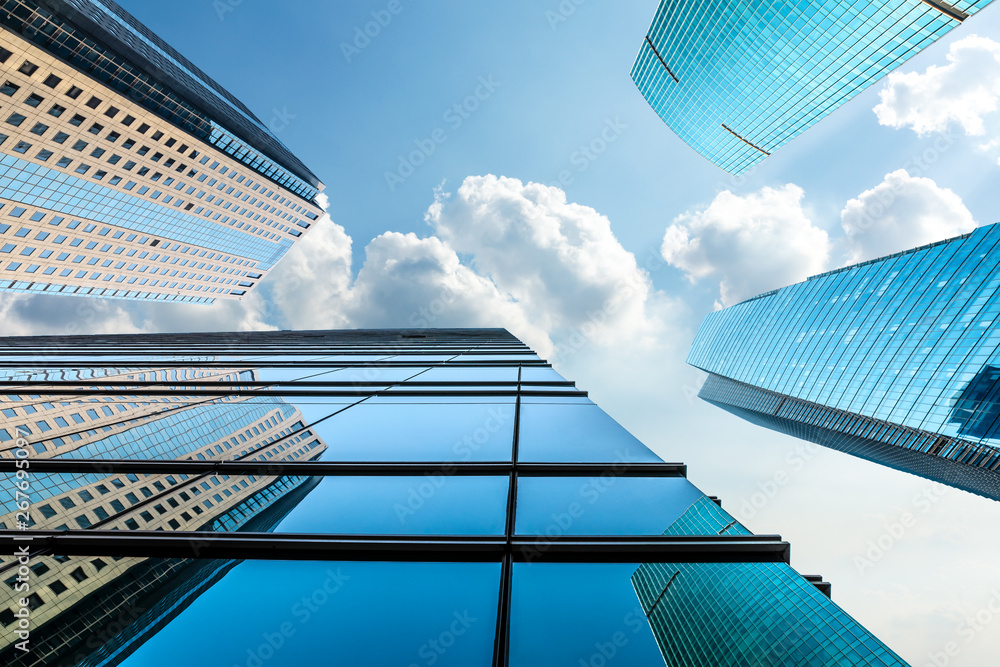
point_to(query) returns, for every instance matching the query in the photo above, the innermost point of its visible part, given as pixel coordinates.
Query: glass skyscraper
(738, 80)
(411, 497)
(894, 360)
(126, 172)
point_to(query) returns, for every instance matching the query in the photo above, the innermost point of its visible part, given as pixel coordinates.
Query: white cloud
(505, 254)
(964, 91)
(750, 244)
(407, 281)
(559, 261)
(41, 315)
(899, 213)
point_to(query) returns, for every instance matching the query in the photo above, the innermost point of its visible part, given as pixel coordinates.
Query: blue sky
(536, 89)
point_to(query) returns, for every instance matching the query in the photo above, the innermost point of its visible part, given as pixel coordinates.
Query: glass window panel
(578, 614)
(418, 505)
(428, 505)
(274, 613)
(470, 374)
(575, 432)
(609, 505)
(540, 374)
(381, 431)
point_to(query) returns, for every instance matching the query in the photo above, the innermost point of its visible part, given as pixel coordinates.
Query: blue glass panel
(580, 432)
(349, 614)
(430, 505)
(606, 505)
(578, 614)
(419, 431)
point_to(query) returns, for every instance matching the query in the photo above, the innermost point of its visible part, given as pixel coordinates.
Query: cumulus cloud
(750, 244)
(502, 253)
(559, 261)
(899, 213)
(964, 91)
(42, 315)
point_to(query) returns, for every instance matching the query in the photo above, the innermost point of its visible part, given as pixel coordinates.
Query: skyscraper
(893, 360)
(470, 507)
(736, 81)
(126, 172)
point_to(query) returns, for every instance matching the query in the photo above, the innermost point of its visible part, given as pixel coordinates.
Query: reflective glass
(578, 614)
(608, 505)
(575, 432)
(378, 430)
(256, 613)
(435, 504)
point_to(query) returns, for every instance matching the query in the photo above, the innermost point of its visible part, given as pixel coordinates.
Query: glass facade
(414, 497)
(894, 360)
(108, 131)
(738, 80)
(796, 624)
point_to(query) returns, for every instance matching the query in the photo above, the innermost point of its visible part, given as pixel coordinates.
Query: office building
(893, 360)
(465, 505)
(738, 80)
(126, 172)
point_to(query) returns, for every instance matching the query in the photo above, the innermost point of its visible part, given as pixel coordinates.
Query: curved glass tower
(894, 360)
(738, 80)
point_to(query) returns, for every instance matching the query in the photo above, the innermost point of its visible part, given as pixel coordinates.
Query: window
(128, 120)
(34, 100)
(74, 92)
(39, 129)
(22, 147)
(111, 112)
(157, 136)
(63, 162)
(60, 137)
(142, 129)
(79, 145)
(9, 88)
(15, 119)
(28, 68)
(52, 81)
(77, 120)
(93, 102)
(58, 587)
(96, 128)
(4, 54)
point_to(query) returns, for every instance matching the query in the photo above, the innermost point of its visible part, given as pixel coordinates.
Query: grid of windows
(898, 351)
(798, 625)
(456, 461)
(703, 69)
(57, 35)
(78, 148)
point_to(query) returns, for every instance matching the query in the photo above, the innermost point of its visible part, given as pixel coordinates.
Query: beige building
(138, 178)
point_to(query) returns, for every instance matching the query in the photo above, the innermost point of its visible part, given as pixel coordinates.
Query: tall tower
(126, 171)
(736, 81)
(893, 360)
(466, 505)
